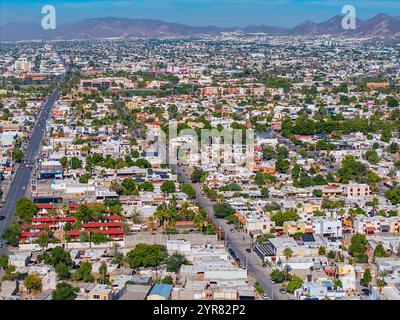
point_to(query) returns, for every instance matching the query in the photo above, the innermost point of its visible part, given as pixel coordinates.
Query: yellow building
(344, 269)
(100, 292)
(292, 227)
(309, 207)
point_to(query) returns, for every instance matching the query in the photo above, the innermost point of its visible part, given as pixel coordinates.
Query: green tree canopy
(146, 255)
(64, 291)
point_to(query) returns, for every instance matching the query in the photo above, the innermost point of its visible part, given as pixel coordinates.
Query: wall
(194, 239)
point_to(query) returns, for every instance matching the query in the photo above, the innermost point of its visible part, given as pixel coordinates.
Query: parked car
(365, 292)
(282, 290)
(2, 218)
(266, 297)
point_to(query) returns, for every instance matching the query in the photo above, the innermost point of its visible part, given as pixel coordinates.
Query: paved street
(23, 173)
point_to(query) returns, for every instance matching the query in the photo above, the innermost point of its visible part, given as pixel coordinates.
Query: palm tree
(288, 253)
(135, 216)
(151, 224)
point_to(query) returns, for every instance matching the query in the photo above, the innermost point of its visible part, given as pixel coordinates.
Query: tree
(175, 262)
(282, 165)
(143, 163)
(331, 254)
(262, 238)
(84, 272)
(280, 217)
(118, 257)
(317, 193)
(259, 179)
(43, 240)
(146, 255)
(232, 219)
(98, 237)
(84, 178)
(260, 290)
(352, 169)
(3, 262)
(104, 276)
(222, 210)
(167, 280)
(25, 209)
(392, 103)
(379, 251)
(129, 185)
(17, 155)
(288, 253)
(357, 248)
(386, 134)
(371, 156)
(62, 271)
(321, 251)
(189, 190)
(294, 284)
(168, 186)
(337, 283)
(33, 282)
(197, 175)
(277, 276)
(268, 153)
(64, 162)
(393, 195)
(57, 256)
(264, 192)
(393, 147)
(146, 186)
(64, 291)
(11, 234)
(75, 163)
(380, 284)
(367, 277)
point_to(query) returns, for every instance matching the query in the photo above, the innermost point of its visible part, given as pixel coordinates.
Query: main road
(23, 173)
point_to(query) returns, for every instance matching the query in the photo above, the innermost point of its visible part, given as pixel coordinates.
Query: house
(19, 259)
(181, 246)
(319, 289)
(100, 292)
(160, 292)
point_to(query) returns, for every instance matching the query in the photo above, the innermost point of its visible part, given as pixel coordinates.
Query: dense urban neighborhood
(234, 166)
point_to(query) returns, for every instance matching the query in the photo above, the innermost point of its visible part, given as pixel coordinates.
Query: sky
(224, 13)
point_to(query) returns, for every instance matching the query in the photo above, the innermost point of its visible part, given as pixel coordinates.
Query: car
(2, 218)
(282, 290)
(365, 292)
(248, 250)
(266, 297)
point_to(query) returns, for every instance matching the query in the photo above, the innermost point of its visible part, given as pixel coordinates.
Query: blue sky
(196, 12)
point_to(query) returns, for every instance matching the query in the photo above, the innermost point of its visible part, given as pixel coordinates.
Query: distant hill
(382, 25)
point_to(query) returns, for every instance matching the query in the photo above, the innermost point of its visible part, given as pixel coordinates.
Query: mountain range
(380, 26)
